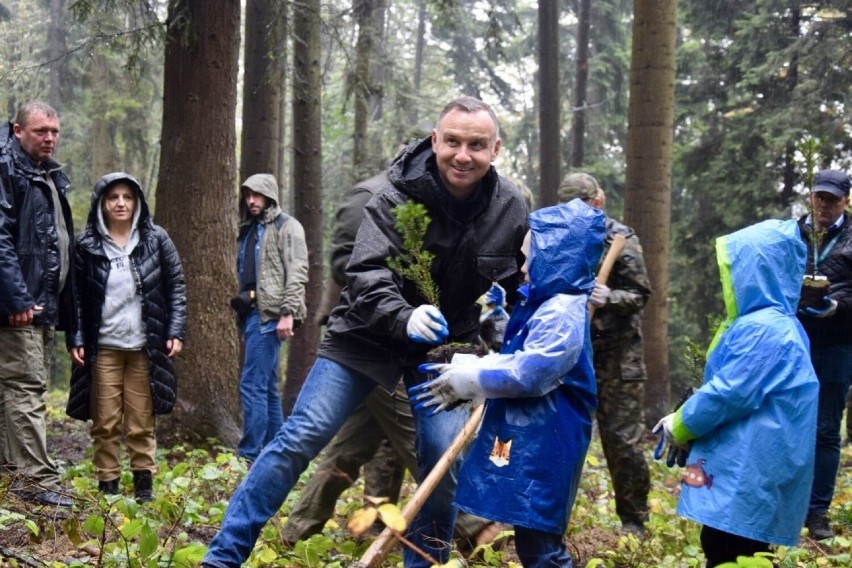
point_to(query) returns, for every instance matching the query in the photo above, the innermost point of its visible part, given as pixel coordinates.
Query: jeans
(262, 414)
(431, 529)
(330, 394)
(537, 549)
(833, 366)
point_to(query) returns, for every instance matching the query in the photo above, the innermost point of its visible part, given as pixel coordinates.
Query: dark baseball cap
(835, 182)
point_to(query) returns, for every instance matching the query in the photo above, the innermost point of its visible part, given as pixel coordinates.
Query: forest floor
(50, 537)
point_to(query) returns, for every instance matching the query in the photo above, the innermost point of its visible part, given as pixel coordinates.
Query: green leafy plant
(415, 262)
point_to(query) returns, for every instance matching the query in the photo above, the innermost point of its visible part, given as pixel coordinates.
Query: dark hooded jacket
(161, 287)
(367, 330)
(29, 245)
(837, 266)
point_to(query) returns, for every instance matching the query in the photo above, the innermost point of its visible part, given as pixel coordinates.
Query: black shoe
(108, 487)
(818, 527)
(53, 498)
(143, 483)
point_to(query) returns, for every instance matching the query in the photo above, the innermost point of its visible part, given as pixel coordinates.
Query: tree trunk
(104, 154)
(549, 120)
(57, 51)
(581, 81)
(367, 87)
(648, 178)
(307, 184)
(419, 49)
(196, 204)
(261, 134)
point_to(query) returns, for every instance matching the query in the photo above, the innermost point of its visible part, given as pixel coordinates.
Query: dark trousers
(720, 547)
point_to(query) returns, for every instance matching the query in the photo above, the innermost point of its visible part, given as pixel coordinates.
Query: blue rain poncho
(524, 466)
(753, 422)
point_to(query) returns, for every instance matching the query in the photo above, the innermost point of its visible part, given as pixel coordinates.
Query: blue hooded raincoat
(753, 421)
(524, 467)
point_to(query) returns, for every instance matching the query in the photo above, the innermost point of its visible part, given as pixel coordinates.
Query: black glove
(243, 302)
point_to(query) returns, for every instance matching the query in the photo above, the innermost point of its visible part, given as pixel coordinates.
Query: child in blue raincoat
(524, 466)
(752, 423)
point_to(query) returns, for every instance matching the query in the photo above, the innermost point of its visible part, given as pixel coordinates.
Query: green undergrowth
(192, 487)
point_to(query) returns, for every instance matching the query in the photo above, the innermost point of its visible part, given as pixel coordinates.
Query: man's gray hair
(467, 103)
(30, 108)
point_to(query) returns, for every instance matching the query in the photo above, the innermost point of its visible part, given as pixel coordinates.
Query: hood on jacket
(760, 266)
(140, 215)
(264, 184)
(566, 242)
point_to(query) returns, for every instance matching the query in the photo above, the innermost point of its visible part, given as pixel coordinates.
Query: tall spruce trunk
(647, 206)
(307, 184)
(196, 204)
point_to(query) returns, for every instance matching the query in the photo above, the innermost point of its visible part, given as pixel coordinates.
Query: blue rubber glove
(496, 295)
(456, 384)
(427, 325)
(828, 308)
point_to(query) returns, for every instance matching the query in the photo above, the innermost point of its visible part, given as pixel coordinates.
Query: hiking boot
(108, 487)
(143, 483)
(818, 527)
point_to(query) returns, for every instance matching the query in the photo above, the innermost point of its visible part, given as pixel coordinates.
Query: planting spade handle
(615, 248)
(381, 547)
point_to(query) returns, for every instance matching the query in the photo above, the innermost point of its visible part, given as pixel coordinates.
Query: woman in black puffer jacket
(131, 306)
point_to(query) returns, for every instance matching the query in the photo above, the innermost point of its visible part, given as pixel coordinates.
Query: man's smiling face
(465, 144)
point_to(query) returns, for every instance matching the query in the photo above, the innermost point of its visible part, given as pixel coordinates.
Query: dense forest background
(193, 96)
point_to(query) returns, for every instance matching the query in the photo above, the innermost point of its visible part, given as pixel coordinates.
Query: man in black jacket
(382, 327)
(829, 327)
(36, 237)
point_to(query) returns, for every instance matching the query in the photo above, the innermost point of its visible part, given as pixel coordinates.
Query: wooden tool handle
(381, 547)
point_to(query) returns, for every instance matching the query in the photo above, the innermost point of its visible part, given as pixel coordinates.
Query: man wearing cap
(619, 363)
(829, 328)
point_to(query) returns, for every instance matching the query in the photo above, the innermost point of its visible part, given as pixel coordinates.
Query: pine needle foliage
(414, 262)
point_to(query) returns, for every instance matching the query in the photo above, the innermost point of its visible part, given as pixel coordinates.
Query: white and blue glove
(457, 383)
(599, 295)
(828, 308)
(427, 325)
(675, 453)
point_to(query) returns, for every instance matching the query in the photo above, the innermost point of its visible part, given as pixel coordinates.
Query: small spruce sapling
(415, 262)
(814, 285)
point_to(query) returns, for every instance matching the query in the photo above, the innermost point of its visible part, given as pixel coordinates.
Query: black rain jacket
(29, 245)
(161, 285)
(367, 330)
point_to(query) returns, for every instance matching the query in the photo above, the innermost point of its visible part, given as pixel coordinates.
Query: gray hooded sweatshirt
(121, 318)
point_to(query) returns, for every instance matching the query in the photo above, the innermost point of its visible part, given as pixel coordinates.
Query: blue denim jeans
(833, 366)
(262, 414)
(537, 549)
(330, 394)
(431, 529)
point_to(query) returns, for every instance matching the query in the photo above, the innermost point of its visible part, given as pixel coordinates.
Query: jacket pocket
(495, 267)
